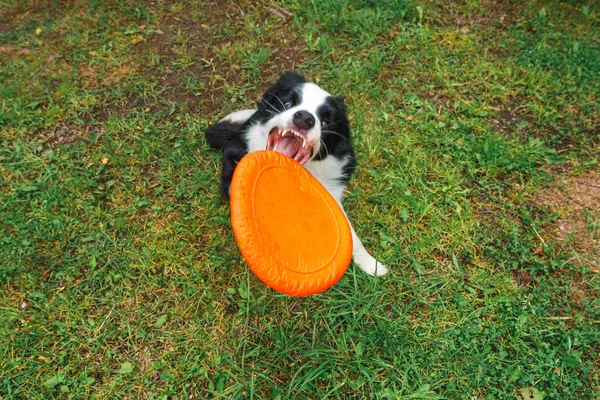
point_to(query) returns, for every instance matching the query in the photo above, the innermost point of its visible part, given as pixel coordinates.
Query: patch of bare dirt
(66, 134)
(487, 13)
(580, 290)
(576, 200)
(440, 99)
(10, 18)
(204, 48)
(509, 116)
(523, 278)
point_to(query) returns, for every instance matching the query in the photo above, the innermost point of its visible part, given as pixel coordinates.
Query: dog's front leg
(363, 259)
(231, 157)
(361, 256)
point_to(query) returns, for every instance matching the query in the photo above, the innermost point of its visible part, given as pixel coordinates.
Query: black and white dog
(304, 122)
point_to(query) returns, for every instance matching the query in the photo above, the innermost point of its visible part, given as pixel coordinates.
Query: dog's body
(304, 122)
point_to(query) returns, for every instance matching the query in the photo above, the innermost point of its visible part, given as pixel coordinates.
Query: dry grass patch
(576, 200)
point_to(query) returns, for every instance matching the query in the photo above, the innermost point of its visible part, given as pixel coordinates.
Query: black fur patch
(222, 133)
(336, 138)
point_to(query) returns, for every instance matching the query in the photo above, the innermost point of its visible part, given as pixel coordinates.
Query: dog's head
(301, 120)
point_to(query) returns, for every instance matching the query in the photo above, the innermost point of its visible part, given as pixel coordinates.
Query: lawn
(477, 128)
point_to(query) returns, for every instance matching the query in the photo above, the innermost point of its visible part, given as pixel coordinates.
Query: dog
(304, 122)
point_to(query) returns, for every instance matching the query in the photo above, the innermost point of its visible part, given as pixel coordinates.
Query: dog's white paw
(371, 266)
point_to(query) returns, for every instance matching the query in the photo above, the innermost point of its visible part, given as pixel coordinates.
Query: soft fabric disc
(292, 233)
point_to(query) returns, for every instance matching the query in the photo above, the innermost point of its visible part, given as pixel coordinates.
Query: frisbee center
(302, 239)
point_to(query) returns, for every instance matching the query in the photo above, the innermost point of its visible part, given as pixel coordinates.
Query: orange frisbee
(292, 233)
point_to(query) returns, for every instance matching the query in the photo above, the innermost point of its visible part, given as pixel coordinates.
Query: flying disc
(291, 232)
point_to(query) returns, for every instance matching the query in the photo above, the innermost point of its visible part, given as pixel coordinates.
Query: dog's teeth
(284, 133)
(303, 143)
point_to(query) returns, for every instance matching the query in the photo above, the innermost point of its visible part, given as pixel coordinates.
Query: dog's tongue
(289, 146)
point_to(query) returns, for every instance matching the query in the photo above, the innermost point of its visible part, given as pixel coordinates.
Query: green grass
(120, 276)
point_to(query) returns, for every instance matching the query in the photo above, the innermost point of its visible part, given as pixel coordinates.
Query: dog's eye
(324, 123)
(288, 105)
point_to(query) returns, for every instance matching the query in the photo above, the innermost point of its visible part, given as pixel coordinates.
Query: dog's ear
(290, 78)
(342, 124)
(286, 81)
(340, 104)
(271, 98)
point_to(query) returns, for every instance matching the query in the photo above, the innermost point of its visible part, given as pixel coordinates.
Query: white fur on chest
(329, 172)
(256, 138)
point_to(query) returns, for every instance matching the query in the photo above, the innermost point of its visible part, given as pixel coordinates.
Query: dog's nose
(304, 120)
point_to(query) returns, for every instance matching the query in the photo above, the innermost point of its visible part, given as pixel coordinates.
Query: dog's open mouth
(290, 143)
